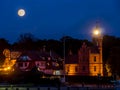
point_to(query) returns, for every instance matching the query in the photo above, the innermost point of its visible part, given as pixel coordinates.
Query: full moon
(21, 12)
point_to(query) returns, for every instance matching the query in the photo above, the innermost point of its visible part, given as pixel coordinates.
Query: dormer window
(24, 58)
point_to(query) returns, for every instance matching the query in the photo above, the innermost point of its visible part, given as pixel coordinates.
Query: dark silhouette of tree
(54, 45)
(25, 42)
(114, 60)
(73, 44)
(111, 52)
(4, 44)
(108, 43)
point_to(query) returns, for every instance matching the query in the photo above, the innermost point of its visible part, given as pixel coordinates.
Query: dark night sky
(52, 19)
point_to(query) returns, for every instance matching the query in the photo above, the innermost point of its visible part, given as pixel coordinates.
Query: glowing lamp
(96, 32)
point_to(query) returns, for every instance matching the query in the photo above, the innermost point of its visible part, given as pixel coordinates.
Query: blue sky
(52, 19)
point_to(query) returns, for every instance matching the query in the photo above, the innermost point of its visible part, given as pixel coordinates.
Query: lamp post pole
(64, 60)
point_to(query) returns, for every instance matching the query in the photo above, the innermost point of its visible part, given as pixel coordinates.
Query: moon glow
(21, 12)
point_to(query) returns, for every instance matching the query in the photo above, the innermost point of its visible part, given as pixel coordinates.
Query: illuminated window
(94, 68)
(94, 58)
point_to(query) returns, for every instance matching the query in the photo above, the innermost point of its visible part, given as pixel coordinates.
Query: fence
(57, 88)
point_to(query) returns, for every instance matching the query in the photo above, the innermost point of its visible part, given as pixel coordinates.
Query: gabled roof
(83, 51)
(37, 55)
(29, 55)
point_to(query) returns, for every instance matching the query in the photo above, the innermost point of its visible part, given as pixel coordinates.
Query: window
(43, 58)
(76, 69)
(68, 69)
(25, 64)
(20, 64)
(94, 68)
(37, 64)
(94, 58)
(83, 68)
(42, 63)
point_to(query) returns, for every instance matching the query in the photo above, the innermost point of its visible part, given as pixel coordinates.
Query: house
(46, 62)
(87, 62)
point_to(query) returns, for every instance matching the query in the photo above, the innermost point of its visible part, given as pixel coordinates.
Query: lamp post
(98, 41)
(97, 35)
(64, 61)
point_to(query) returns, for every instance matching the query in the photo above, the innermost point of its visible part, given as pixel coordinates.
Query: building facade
(88, 61)
(48, 63)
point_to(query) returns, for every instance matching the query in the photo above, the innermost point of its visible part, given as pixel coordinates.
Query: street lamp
(97, 32)
(63, 80)
(97, 35)
(64, 47)
(97, 40)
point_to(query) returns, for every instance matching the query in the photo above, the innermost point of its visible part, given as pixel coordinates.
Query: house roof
(73, 59)
(37, 55)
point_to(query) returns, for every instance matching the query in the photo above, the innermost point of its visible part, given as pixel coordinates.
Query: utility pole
(64, 60)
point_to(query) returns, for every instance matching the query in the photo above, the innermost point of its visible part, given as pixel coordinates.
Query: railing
(10, 87)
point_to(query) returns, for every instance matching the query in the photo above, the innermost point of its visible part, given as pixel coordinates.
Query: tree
(25, 42)
(114, 60)
(111, 53)
(73, 44)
